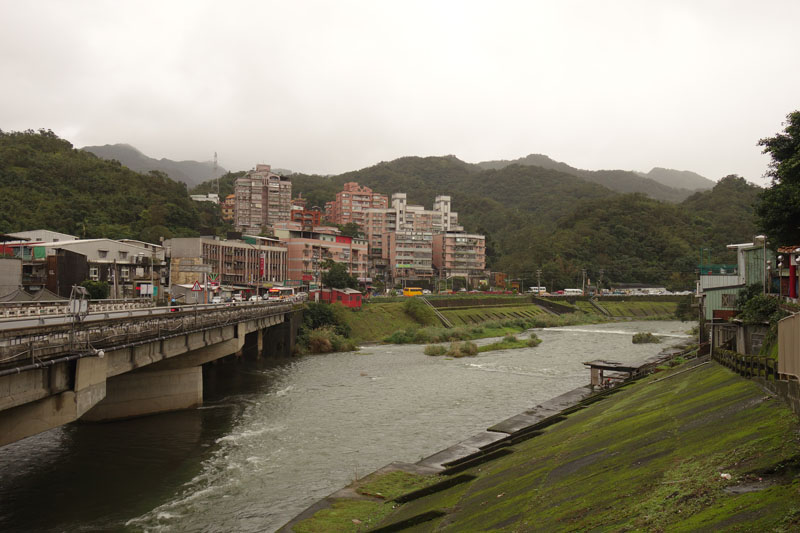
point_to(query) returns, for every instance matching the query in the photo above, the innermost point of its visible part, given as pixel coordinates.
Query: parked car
(237, 298)
(255, 298)
(216, 300)
(425, 291)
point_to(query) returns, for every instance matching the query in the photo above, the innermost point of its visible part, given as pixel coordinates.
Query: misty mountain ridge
(660, 183)
(681, 179)
(191, 173)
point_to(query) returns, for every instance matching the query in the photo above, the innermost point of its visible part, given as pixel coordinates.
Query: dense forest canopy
(46, 183)
(533, 217)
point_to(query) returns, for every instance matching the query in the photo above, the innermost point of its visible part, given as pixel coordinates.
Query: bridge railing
(37, 346)
(61, 307)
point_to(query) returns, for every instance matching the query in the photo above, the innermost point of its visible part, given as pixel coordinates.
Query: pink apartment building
(459, 254)
(352, 202)
(408, 256)
(307, 249)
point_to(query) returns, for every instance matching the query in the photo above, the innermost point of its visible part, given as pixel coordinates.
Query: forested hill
(533, 217)
(659, 183)
(681, 179)
(46, 183)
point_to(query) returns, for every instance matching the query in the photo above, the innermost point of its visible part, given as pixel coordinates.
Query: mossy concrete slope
(703, 450)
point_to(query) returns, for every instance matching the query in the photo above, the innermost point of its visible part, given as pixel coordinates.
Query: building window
(123, 255)
(728, 300)
(94, 273)
(124, 273)
(102, 253)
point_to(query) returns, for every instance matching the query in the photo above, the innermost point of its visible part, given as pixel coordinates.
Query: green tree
(336, 276)
(98, 290)
(351, 229)
(778, 208)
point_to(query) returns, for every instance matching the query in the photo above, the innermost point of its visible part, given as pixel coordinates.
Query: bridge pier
(62, 403)
(148, 392)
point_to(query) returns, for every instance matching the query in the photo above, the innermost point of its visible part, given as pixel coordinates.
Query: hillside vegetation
(46, 183)
(533, 217)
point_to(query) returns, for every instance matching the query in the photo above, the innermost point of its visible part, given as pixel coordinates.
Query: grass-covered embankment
(410, 320)
(376, 321)
(633, 309)
(650, 457)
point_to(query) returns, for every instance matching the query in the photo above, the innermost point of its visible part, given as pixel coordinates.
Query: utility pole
(599, 280)
(583, 281)
(539, 282)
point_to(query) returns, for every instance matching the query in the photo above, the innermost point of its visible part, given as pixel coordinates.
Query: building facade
(351, 204)
(228, 207)
(130, 268)
(459, 254)
(308, 249)
(405, 228)
(306, 217)
(250, 263)
(409, 257)
(261, 199)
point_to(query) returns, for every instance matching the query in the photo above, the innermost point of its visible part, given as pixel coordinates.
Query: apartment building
(306, 217)
(250, 263)
(228, 208)
(459, 254)
(405, 217)
(408, 255)
(262, 199)
(352, 202)
(308, 248)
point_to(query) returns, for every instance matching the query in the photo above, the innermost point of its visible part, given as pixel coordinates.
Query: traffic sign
(196, 287)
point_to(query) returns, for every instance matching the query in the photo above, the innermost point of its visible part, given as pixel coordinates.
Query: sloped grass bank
(478, 315)
(378, 320)
(650, 457)
(640, 309)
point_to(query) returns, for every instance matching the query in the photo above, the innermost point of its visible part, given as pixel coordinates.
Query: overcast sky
(333, 86)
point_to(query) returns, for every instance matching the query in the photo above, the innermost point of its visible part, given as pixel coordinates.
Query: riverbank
(697, 447)
(378, 321)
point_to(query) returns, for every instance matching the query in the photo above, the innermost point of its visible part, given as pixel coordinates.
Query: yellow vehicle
(412, 291)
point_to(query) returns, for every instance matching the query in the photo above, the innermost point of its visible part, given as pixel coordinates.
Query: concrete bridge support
(50, 397)
(149, 392)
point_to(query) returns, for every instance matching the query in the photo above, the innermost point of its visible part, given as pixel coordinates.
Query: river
(274, 436)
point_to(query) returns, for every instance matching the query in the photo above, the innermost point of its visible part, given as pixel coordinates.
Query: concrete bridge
(115, 365)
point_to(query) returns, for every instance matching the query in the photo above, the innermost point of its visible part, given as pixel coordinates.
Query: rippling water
(275, 436)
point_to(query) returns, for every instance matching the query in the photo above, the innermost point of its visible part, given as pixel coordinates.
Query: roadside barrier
(748, 365)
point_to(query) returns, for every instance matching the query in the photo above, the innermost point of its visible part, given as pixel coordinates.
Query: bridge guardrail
(61, 307)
